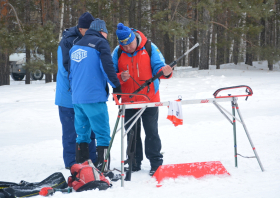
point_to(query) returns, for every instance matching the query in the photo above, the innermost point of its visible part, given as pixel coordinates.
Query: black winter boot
(82, 152)
(101, 154)
(153, 170)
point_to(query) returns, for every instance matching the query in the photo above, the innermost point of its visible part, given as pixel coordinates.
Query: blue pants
(152, 140)
(92, 116)
(69, 136)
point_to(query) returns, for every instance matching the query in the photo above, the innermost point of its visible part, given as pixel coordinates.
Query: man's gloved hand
(117, 90)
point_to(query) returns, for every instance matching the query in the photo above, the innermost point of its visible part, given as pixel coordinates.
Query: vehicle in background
(17, 64)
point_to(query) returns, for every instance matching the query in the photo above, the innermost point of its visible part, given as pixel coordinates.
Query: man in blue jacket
(91, 70)
(63, 95)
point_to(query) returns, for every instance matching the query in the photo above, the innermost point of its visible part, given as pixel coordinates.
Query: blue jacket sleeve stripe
(60, 62)
(157, 59)
(65, 47)
(116, 58)
(157, 62)
(105, 75)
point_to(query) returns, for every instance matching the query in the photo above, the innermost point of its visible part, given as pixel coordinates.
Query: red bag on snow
(86, 177)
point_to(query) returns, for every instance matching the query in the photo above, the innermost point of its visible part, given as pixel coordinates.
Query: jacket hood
(141, 37)
(73, 31)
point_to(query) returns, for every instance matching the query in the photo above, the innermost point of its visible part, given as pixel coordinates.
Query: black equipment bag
(26, 189)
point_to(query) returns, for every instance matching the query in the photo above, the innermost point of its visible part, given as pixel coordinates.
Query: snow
(31, 148)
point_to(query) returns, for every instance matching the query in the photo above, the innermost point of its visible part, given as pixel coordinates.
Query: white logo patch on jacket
(91, 45)
(78, 55)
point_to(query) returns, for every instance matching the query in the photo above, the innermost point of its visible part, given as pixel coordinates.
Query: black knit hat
(85, 20)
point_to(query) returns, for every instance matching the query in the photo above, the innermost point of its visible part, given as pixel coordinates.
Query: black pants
(152, 141)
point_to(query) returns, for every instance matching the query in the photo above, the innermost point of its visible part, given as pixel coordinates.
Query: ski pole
(112, 139)
(149, 81)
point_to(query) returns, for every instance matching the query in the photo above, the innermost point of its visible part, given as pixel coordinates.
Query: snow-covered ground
(31, 148)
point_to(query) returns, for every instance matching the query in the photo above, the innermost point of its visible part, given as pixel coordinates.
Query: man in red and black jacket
(135, 64)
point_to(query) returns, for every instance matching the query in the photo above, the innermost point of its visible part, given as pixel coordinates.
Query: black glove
(117, 90)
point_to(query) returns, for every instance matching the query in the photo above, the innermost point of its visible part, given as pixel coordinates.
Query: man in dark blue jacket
(91, 70)
(63, 95)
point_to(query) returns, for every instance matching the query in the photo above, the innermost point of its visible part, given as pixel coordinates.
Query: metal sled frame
(143, 105)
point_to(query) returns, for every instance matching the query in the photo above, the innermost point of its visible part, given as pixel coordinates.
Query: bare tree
(236, 45)
(249, 54)
(4, 69)
(27, 46)
(220, 41)
(121, 11)
(61, 21)
(204, 42)
(195, 58)
(131, 17)
(213, 45)
(139, 14)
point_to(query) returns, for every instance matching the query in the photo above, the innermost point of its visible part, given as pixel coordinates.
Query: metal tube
(129, 120)
(183, 102)
(122, 146)
(228, 113)
(234, 133)
(218, 106)
(249, 138)
(112, 139)
(135, 120)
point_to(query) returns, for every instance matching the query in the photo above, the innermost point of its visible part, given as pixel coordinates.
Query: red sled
(197, 170)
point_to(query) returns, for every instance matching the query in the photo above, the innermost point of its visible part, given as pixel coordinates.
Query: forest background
(228, 31)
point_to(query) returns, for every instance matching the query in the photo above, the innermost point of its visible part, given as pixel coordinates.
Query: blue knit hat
(85, 20)
(98, 25)
(125, 34)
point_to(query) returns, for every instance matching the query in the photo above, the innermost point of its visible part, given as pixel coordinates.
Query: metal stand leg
(234, 132)
(135, 120)
(123, 134)
(122, 145)
(249, 138)
(130, 151)
(112, 139)
(235, 105)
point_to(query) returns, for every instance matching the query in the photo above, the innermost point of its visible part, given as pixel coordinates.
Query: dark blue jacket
(63, 95)
(91, 69)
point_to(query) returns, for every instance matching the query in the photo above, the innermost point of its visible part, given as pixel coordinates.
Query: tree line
(228, 31)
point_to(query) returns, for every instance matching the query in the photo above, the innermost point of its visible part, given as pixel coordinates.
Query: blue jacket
(91, 69)
(63, 95)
